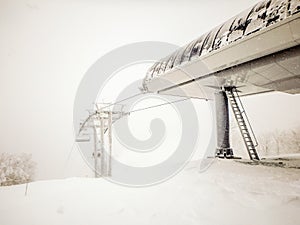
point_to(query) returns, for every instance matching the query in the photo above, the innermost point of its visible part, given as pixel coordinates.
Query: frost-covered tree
(265, 144)
(16, 168)
(280, 142)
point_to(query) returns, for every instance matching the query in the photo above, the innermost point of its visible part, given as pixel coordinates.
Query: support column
(109, 143)
(95, 154)
(222, 120)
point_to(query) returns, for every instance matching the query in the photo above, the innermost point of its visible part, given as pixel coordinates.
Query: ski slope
(229, 192)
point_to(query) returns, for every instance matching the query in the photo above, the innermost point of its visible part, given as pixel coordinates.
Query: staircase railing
(246, 117)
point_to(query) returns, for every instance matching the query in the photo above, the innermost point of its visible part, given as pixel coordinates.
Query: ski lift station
(254, 52)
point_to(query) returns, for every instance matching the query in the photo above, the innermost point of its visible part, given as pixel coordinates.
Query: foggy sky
(47, 46)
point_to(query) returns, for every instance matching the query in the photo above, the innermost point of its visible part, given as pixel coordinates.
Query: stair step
(244, 130)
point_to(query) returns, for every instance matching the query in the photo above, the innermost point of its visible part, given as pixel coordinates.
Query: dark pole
(222, 120)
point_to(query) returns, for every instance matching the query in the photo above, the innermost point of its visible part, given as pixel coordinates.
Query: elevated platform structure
(256, 51)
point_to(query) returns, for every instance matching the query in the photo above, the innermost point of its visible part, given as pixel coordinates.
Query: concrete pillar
(222, 120)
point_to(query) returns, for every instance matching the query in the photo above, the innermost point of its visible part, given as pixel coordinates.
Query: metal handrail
(247, 119)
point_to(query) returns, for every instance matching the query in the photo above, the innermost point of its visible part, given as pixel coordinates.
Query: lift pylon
(101, 121)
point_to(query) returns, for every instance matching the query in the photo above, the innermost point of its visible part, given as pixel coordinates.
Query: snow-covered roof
(261, 16)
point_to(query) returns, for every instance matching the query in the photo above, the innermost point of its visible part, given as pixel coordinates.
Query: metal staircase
(243, 122)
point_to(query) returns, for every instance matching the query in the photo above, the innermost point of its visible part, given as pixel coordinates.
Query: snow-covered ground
(228, 192)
